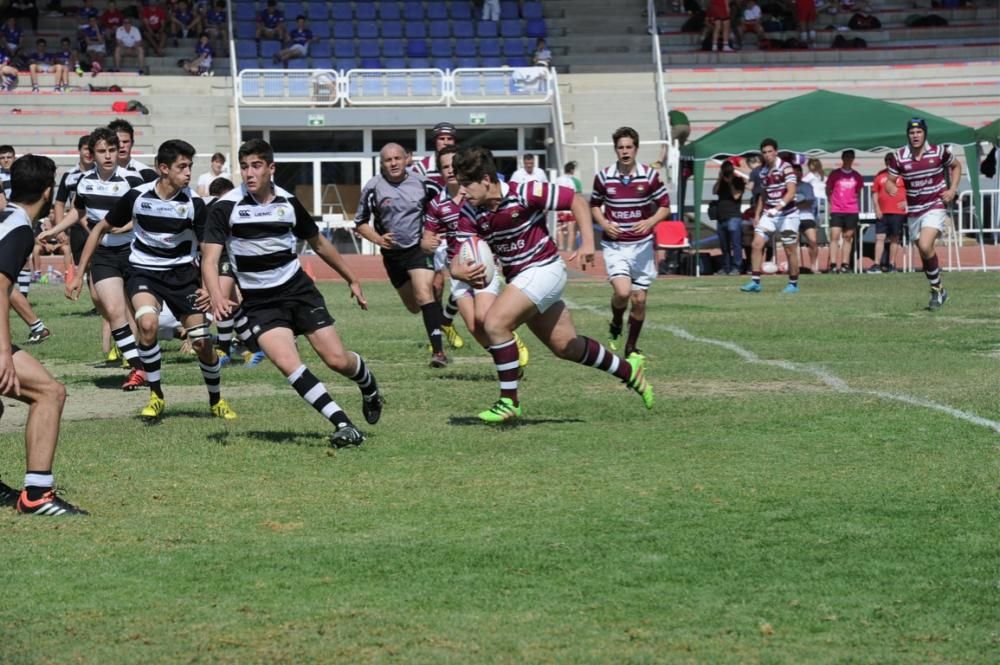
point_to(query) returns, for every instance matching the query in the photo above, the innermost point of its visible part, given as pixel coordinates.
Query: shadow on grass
(467, 376)
(520, 422)
(112, 382)
(275, 436)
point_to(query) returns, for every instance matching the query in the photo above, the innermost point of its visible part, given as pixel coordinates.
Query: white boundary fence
(395, 87)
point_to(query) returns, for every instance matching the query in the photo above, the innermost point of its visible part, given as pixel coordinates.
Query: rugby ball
(769, 268)
(477, 251)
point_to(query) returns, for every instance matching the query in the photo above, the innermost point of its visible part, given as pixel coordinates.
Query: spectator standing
(44, 62)
(890, 211)
(217, 169)
(491, 10)
(729, 189)
(299, 39)
(542, 56)
(566, 229)
(718, 16)
(528, 172)
(271, 22)
(805, 13)
(154, 26)
(128, 41)
(201, 65)
(805, 201)
(843, 188)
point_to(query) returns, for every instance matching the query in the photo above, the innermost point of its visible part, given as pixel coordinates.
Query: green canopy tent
(989, 133)
(824, 122)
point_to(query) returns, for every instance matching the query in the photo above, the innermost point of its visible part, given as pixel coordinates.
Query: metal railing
(966, 222)
(394, 87)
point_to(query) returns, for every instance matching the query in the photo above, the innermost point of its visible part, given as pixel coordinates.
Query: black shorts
(177, 287)
(891, 225)
(77, 239)
(806, 224)
(844, 220)
(299, 306)
(399, 262)
(109, 262)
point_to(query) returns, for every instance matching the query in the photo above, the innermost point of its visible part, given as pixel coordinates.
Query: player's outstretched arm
(74, 287)
(68, 220)
(325, 250)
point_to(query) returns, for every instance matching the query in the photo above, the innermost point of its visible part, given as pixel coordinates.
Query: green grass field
(817, 483)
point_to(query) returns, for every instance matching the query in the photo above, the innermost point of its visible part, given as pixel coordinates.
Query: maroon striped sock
(634, 328)
(933, 271)
(596, 355)
(505, 359)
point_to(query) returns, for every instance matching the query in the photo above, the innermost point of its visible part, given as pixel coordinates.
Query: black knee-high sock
(212, 374)
(450, 310)
(150, 357)
(432, 323)
(225, 339)
(365, 379)
(313, 391)
(125, 341)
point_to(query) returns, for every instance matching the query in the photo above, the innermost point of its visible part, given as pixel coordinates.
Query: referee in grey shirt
(391, 215)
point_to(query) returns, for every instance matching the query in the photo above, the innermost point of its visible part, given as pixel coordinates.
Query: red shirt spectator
(112, 18)
(154, 16)
(889, 205)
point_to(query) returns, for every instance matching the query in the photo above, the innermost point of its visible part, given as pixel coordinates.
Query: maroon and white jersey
(925, 177)
(516, 230)
(452, 220)
(424, 165)
(629, 199)
(776, 182)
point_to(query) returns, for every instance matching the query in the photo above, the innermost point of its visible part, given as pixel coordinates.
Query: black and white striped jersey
(67, 185)
(146, 173)
(97, 197)
(166, 232)
(5, 182)
(260, 238)
(16, 240)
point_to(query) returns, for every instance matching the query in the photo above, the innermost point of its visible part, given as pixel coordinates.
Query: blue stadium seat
(269, 48)
(419, 63)
(461, 11)
(322, 63)
(364, 11)
(416, 48)
(466, 62)
(442, 63)
(247, 63)
(393, 48)
(321, 29)
(371, 63)
(413, 11)
(440, 48)
(465, 48)
(369, 48)
(437, 11)
(293, 9)
(246, 30)
(489, 48)
(415, 30)
(343, 49)
(366, 30)
(514, 47)
(343, 30)
(511, 28)
(486, 29)
(463, 29)
(535, 28)
(271, 64)
(392, 29)
(388, 11)
(298, 63)
(344, 64)
(439, 30)
(320, 50)
(495, 61)
(342, 12)
(246, 49)
(245, 13)
(508, 9)
(518, 61)
(394, 63)
(317, 12)
(532, 10)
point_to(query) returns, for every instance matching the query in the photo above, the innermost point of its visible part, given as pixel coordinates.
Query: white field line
(830, 380)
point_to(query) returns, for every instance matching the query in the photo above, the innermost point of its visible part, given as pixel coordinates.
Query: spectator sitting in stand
(8, 72)
(44, 62)
(203, 54)
(542, 56)
(24, 9)
(271, 22)
(110, 21)
(154, 26)
(299, 39)
(751, 23)
(96, 50)
(85, 13)
(69, 59)
(51, 246)
(184, 22)
(12, 37)
(128, 41)
(215, 22)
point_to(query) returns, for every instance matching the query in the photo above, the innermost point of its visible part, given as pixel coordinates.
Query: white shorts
(298, 48)
(635, 260)
(44, 68)
(786, 226)
(441, 257)
(95, 48)
(460, 289)
(932, 219)
(543, 285)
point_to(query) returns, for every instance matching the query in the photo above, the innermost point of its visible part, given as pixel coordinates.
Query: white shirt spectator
(752, 14)
(521, 176)
(128, 38)
(205, 179)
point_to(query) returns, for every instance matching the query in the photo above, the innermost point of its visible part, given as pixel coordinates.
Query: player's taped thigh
(789, 237)
(198, 332)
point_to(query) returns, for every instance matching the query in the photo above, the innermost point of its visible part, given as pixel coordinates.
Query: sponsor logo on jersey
(244, 212)
(537, 188)
(612, 190)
